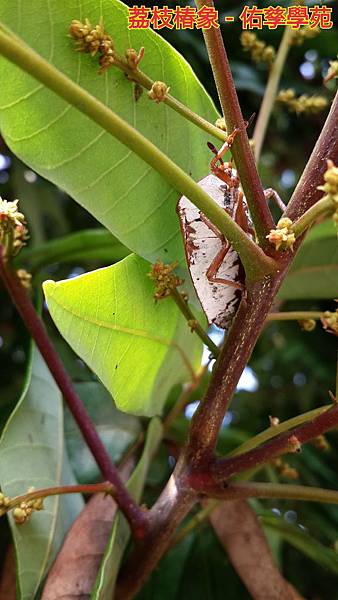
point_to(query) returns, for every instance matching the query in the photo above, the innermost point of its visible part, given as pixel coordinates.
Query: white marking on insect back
(219, 300)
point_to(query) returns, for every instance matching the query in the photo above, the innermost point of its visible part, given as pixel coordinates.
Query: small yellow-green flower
(330, 186)
(333, 71)
(302, 104)
(9, 213)
(259, 51)
(159, 91)
(330, 321)
(165, 279)
(282, 237)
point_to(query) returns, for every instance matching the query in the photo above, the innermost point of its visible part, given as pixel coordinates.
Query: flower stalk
(130, 65)
(35, 497)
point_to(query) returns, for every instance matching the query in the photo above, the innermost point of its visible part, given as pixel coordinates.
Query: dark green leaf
(314, 272)
(116, 429)
(32, 453)
(300, 539)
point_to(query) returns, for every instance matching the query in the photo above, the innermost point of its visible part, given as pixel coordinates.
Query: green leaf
(165, 580)
(64, 146)
(116, 429)
(85, 245)
(300, 539)
(208, 573)
(105, 582)
(314, 272)
(110, 319)
(32, 453)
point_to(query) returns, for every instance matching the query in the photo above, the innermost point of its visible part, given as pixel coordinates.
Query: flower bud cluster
(4, 503)
(321, 443)
(159, 91)
(282, 237)
(303, 33)
(330, 187)
(220, 123)
(91, 40)
(307, 324)
(165, 279)
(330, 321)
(25, 278)
(13, 230)
(259, 51)
(333, 70)
(284, 470)
(302, 104)
(23, 512)
(133, 58)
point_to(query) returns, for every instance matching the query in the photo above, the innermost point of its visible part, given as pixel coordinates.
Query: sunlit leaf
(110, 319)
(32, 453)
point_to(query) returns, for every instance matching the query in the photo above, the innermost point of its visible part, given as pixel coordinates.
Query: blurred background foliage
(290, 372)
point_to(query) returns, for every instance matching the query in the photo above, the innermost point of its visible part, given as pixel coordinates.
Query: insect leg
(211, 226)
(226, 146)
(215, 265)
(269, 193)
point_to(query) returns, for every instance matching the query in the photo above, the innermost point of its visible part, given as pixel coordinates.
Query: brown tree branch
(213, 477)
(254, 309)
(241, 151)
(168, 512)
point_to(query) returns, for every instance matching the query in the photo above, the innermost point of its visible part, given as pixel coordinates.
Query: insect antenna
(214, 151)
(251, 119)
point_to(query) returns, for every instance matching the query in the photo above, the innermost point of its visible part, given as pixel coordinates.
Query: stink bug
(215, 267)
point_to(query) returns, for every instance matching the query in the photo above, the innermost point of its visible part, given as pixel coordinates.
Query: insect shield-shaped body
(215, 268)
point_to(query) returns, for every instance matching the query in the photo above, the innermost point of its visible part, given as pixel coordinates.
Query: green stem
(255, 262)
(193, 323)
(142, 79)
(95, 488)
(294, 316)
(274, 431)
(271, 92)
(324, 206)
(241, 151)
